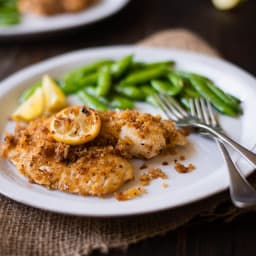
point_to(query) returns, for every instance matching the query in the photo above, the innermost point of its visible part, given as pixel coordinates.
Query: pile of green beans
(108, 84)
(9, 14)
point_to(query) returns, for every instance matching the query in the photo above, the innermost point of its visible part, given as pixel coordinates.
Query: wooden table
(232, 33)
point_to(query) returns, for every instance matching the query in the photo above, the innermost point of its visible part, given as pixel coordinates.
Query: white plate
(31, 24)
(210, 175)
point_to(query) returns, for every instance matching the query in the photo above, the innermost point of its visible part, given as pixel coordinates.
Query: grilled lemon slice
(75, 125)
(30, 109)
(55, 99)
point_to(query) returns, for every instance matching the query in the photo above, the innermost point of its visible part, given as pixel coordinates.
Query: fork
(241, 192)
(174, 111)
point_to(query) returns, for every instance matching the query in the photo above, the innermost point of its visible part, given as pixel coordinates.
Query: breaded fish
(138, 135)
(95, 168)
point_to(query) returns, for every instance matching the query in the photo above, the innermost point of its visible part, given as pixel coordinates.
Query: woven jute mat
(27, 231)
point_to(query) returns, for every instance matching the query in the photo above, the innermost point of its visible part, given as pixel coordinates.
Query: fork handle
(247, 154)
(241, 192)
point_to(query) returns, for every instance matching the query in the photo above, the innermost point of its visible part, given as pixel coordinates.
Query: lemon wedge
(225, 4)
(75, 125)
(54, 97)
(30, 109)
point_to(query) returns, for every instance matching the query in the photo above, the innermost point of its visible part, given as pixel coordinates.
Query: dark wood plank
(161, 245)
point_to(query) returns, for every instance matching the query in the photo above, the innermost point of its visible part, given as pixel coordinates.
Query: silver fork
(174, 111)
(241, 192)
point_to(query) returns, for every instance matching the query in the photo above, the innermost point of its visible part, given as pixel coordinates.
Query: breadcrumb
(152, 174)
(184, 169)
(182, 158)
(164, 185)
(143, 166)
(130, 193)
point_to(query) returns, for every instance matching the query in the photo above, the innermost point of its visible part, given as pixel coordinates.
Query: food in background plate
(98, 167)
(11, 10)
(50, 7)
(9, 13)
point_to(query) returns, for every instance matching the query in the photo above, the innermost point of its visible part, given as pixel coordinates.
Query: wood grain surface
(233, 33)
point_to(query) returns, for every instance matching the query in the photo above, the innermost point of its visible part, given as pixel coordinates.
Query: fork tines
(202, 109)
(170, 107)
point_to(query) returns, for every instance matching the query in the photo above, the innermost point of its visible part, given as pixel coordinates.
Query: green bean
(90, 68)
(9, 14)
(202, 88)
(148, 90)
(121, 66)
(234, 98)
(131, 92)
(176, 81)
(29, 92)
(91, 90)
(185, 101)
(104, 82)
(145, 75)
(135, 66)
(121, 102)
(91, 101)
(228, 99)
(149, 93)
(168, 64)
(165, 87)
(90, 79)
(187, 75)
(76, 76)
(189, 90)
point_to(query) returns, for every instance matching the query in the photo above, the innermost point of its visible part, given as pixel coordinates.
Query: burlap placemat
(27, 231)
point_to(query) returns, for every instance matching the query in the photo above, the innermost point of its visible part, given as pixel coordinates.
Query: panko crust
(97, 168)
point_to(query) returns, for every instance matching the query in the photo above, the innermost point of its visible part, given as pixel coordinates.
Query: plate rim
(9, 33)
(46, 62)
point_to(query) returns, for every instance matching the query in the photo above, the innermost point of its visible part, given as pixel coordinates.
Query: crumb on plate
(164, 185)
(181, 168)
(152, 174)
(130, 193)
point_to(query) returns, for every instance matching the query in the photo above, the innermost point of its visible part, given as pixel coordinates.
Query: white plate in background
(32, 24)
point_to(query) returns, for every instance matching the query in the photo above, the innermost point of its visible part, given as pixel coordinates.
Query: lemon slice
(30, 109)
(225, 4)
(75, 125)
(55, 99)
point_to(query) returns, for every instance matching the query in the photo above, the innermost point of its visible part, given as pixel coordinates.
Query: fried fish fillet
(138, 135)
(81, 170)
(95, 168)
